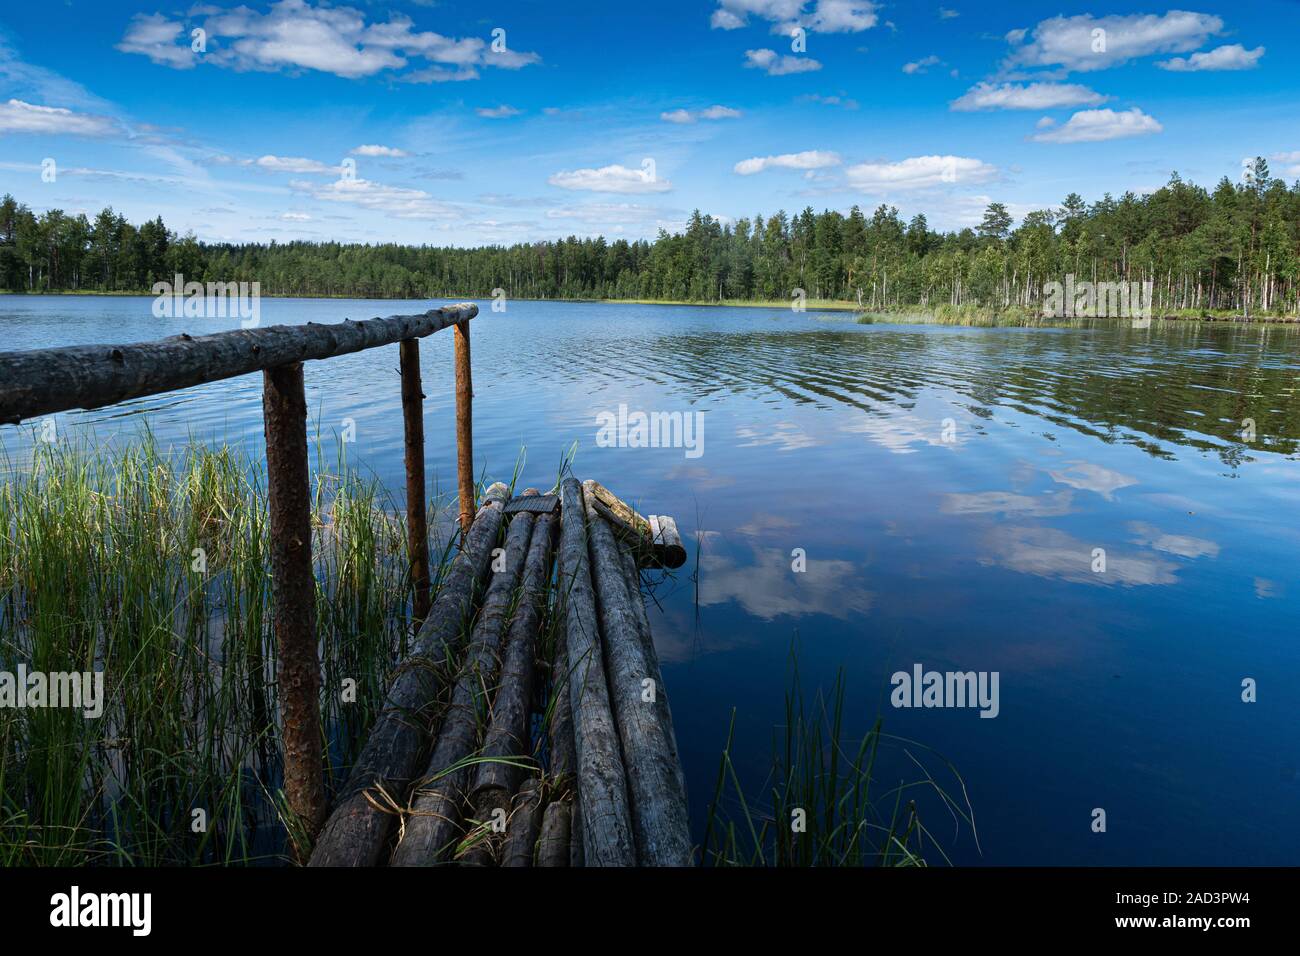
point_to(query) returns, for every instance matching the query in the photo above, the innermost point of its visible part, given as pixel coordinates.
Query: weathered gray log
(651, 655)
(657, 800)
(43, 381)
(525, 823)
(507, 736)
(563, 764)
(358, 830)
(602, 788)
(655, 542)
(575, 837)
(489, 807)
(508, 741)
(433, 826)
(553, 847)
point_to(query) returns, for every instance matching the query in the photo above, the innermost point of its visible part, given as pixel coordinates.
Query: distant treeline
(1236, 247)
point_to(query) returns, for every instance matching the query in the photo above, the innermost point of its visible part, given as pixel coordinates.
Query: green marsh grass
(153, 567)
(824, 802)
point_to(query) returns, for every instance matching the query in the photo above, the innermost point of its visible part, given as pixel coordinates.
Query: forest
(1236, 247)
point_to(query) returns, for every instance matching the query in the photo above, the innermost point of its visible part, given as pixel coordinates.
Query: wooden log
(293, 597)
(651, 656)
(417, 522)
(464, 426)
(602, 788)
(489, 807)
(433, 827)
(359, 827)
(524, 826)
(553, 847)
(563, 759)
(43, 381)
(508, 741)
(508, 737)
(575, 837)
(655, 541)
(657, 801)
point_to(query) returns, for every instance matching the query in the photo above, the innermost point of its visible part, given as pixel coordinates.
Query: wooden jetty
(529, 724)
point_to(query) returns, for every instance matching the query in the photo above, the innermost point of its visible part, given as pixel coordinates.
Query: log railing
(45, 381)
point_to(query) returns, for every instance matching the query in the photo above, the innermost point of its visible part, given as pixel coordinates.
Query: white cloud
(921, 65)
(1095, 126)
(497, 112)
(376, 150)
(1230, 57)
(775, 65)
(919, 172)
(1031, 96)
(809, 159)
(395, 201)
(17, 116)
(689, 116)
(946, 14)
(823, 16)
(155, 36)
(295, 35)
(292, 164)
(611, 179)
(1074, 43)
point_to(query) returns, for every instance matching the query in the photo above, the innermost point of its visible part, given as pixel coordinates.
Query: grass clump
(822, 803)
(153, 568)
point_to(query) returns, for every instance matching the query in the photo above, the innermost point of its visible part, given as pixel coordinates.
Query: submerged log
(652, 657)
(658, 801)
(602, 788)
(553, 847)
(434, 824)
(359, 827)
(44, 381)
(525, 823)
(655, 539)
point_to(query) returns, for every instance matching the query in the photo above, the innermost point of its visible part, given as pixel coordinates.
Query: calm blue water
(1119, 690)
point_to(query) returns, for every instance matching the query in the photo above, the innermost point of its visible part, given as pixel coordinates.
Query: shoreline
(901, 315)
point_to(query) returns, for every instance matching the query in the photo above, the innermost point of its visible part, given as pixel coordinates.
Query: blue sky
(406, 122)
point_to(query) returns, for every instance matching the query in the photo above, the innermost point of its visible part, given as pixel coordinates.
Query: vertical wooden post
(417, 522)
(293, 589)
(464, 428)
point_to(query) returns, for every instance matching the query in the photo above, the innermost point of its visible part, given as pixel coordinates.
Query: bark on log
(357, 831)
(563, 762)
(284, 409)
(575, 837)
(525, 823)
(464, 425)
(655, 541)
(508, 737)
(553, 847)
(489, 806)
(657, 800)
(508, 741)
(43, 381)
(417, 522)
(434, 825)
(651, 656)
(602, 788)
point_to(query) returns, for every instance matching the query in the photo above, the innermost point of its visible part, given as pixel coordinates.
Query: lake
(949, 493)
